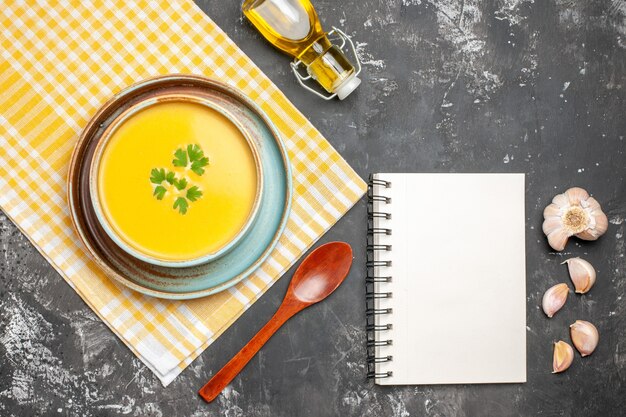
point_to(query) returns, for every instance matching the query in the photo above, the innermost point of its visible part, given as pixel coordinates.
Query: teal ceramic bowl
(149, 101)
(205, 278)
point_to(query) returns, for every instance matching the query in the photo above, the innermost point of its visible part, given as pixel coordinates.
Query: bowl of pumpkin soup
(176, 180)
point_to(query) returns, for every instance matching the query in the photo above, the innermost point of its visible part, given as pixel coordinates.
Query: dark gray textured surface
(448, 86)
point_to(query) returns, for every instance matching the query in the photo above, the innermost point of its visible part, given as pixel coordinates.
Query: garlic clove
(581, 273)
(563, 356)
(560, 200)
(554, 298)
(591, 203)
(551, 210)
(584, 336)
(602, 223)
(551, 224)
(586, 235)
(576, 195)
(558, 239)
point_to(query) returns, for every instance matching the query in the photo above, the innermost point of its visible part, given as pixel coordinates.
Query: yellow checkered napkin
(60, 61)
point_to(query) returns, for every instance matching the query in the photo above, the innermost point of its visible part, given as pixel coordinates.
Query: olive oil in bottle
(293, 27)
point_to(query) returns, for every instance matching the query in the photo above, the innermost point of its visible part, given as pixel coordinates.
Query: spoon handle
(221, 379)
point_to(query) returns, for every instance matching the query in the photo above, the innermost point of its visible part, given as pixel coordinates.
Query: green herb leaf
(195, 152)
(197, 159)
(180, 184)
(194, 193)
(198, 166)
(157, 176)
(159, 192)
(170, 177)
(181, 204)
(180, 158)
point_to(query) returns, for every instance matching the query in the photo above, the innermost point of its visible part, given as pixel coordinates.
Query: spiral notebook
(446, 299)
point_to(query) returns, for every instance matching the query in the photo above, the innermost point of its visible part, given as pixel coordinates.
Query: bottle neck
(327, 64)
(316, 49)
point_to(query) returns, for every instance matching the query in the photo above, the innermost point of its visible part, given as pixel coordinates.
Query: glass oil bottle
(294, 27)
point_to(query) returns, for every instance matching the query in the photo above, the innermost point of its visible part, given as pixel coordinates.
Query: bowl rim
(97, 159)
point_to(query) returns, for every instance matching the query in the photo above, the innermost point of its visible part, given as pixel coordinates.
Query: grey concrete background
(448, 86)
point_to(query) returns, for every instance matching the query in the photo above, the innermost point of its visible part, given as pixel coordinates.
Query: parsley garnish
(194, 152)
(191, 157)
(157, 176)
(197, 159)
(180, 158)
(170, 177)
(181, 204)
(180, 184)
(159, 192)
(194, 193)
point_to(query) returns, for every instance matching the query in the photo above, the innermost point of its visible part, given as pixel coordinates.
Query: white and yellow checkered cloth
(60, 61)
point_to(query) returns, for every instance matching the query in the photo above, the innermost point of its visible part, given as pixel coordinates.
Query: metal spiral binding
(374, 331)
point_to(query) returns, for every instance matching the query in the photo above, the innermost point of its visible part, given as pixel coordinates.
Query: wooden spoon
(315, 279)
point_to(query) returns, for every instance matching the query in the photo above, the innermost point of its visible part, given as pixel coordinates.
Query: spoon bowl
(315, 279)
(320, 273)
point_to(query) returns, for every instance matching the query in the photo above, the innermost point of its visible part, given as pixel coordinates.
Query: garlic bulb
(581, 273)
(573, 213)
(563, 356)
(584, 336)
(554, 298)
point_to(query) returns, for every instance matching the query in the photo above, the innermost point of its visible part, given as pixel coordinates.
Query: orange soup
(177, 181)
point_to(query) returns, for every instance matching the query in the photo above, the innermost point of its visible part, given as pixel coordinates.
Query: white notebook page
(458, 278)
